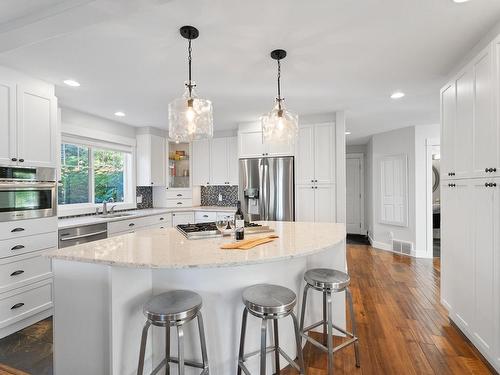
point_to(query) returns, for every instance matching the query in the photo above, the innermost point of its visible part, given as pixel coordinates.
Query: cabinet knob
(494, 184)
(486, 170)
(312, 180)
(21, 160)
(14, 159)
(152, 183)
(487, 184)
(493, 169)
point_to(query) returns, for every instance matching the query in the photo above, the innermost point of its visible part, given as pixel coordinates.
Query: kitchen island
(100, 288)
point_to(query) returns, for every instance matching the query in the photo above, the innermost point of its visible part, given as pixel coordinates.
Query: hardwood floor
(403, 329)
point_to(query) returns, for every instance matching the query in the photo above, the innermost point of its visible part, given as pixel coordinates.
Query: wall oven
(27, 193)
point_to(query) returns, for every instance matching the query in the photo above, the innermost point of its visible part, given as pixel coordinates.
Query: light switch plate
(139, 199)
(220, 197)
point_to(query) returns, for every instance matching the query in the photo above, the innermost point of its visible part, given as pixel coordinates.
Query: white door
(324, 154)
(158, 161)
(354, 195)
(232, 155)
(36, 128)
(485, 146)
(250, 144)
(304, 210)
(8, 136)
(219, 163)
(324, 203)
(485, 226)
(201, 162)
(304, 160)
(448, 122)
(464, 122)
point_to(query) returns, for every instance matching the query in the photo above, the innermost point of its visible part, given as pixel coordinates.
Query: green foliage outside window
(108, 172)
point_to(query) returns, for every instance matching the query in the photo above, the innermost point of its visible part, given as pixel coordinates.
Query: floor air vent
(403, 247)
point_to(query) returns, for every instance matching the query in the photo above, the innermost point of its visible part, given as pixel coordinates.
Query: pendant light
(279, 125)
(190, 118)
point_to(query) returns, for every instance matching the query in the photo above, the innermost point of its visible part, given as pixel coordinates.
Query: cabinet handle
(161, 218)
(17, 247)
(179, 202)
(21, 160)
(487, 170)
(493, 169)
(179, 195)
(494, 184)
(17, 230)
(487, 184)
(205, 215)
(14, 159)
(17, 305)
(18, 272)
(131, 224)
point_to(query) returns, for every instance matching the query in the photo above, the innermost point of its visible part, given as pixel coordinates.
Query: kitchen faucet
(105, 206)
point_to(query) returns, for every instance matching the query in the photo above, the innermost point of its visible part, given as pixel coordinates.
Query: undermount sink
(108, 216)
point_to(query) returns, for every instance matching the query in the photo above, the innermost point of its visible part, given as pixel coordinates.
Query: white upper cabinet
(201, 162)
(251, 145)
(151, 160)
(485, 137)
(8, 132)
(448, 120)
(215, 161)
(304, 151)
(219, 162)
(464, 123)
(28, 121)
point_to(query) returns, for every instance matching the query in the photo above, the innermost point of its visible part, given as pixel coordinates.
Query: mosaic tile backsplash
(210, 195)
(147, 196)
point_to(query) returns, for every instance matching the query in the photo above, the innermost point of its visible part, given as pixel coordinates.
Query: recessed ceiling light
(120, 114)
(347, 133)
(71, 82)
(397, 95)
(460, 1)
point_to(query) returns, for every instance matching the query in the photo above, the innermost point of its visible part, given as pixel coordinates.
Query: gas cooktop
(209, 230)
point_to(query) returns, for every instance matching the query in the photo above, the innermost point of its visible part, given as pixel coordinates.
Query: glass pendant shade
(190, 118)
(279, 125)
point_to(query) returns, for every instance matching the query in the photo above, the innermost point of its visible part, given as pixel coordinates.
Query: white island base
(98, 302)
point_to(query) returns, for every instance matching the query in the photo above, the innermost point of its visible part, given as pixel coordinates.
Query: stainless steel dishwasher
(82, 234)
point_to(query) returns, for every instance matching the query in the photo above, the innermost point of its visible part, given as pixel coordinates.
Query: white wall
(410, 141)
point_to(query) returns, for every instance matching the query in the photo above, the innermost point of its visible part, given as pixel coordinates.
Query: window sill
(89, 208)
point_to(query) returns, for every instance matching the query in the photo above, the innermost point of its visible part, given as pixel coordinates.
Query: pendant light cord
(279, 84)
(190, 85)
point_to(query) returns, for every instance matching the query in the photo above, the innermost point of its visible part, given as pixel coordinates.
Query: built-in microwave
(27, 193)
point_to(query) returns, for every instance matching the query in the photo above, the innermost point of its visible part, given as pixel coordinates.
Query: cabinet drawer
(182, 218)
(126, 225)
(165, 219)
(179, 203)
(204, 217)
(23, 245)
(21, 228)
(225, 215)
(24, 269)
(21, 303)
(179, 194)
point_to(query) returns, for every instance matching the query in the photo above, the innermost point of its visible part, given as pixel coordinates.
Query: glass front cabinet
(179, 166)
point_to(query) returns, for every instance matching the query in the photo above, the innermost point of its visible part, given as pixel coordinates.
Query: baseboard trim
(379, 245)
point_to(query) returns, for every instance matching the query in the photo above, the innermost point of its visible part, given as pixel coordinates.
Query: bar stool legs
(327, 282)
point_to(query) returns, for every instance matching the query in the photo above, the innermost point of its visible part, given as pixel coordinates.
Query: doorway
(355, 194)
(434, 198)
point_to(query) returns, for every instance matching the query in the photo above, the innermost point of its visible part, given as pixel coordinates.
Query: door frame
(361, 157)
(430, 143)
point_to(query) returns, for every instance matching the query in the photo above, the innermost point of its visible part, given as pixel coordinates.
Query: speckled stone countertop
(64, 223)
(168, 248)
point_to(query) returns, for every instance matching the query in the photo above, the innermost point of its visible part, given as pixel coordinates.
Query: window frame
(129, 195)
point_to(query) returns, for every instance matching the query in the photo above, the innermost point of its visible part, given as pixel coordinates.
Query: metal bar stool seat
(329, 281)
(269, 302)
(174, 309)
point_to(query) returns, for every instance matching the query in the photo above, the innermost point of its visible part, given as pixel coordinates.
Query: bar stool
(329, 281)
(269, 302)
(174, 308)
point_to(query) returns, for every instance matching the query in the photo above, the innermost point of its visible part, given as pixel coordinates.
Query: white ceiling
(342, 54)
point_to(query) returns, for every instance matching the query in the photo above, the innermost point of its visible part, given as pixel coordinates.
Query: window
(93, 174)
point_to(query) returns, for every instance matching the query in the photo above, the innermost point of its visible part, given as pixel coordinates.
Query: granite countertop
(168, 248)
(64, 223)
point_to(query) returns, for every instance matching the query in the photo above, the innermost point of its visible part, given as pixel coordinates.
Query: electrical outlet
(139, 199)
(220, 197)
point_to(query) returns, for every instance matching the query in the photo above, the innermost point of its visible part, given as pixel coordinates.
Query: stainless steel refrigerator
(266, 188)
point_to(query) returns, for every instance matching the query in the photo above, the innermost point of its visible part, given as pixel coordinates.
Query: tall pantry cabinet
(470, 201)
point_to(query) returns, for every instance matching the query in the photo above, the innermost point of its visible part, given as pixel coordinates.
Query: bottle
(239, 221)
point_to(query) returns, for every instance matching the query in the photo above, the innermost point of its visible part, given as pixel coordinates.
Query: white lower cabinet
(470, 258)
(179, 218)
(205, 217)
(25, 275)
(315, 203)
(117, 228)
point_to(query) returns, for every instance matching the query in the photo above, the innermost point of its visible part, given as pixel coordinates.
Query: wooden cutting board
(248, 244)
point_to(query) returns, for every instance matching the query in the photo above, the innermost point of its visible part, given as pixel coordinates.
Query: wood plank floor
(403, 328)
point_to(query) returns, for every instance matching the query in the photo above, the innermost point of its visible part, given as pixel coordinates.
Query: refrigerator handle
(262, 189)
